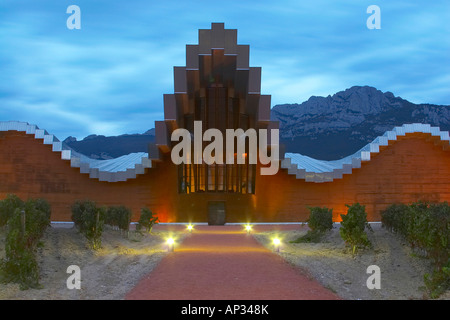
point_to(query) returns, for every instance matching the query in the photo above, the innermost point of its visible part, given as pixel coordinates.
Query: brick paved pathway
(225, 263)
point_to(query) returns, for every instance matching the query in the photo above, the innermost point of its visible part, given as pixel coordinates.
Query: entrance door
(216, 212)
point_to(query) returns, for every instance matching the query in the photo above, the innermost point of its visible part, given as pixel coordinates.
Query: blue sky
(109, 77)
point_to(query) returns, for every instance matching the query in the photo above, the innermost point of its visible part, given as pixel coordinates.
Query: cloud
(109, 77)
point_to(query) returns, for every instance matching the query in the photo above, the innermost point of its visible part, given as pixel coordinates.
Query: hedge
(425, 226)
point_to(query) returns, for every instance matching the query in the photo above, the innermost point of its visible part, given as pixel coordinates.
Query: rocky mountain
(102, 147)
(327, 128)
(333, 127)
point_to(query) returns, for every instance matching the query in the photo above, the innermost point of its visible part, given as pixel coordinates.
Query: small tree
(320, 221)
(111, 217)
(418, 224)
(353, 227)
(8, 206)
(25, 227)
(147, 220)
(123, 218)
(89, 220)
(119, 217)
(394, 218)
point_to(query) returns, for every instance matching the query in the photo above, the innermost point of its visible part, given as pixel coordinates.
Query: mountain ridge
(326, 128)
(333, 127)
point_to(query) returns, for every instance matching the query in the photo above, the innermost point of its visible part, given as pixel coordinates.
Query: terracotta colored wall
(29, 168)
(412, 168)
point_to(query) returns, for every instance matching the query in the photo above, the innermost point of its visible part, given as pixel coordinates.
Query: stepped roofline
(303, 167)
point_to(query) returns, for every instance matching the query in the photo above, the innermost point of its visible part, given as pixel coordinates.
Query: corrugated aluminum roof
(122, 163)
(303, 167)
(314, 170)
(112, 170)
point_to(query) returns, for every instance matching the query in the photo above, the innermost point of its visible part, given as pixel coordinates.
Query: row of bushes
(352, 229)
(90, 220)
(25, 223)
(423, 225)
(426, 226)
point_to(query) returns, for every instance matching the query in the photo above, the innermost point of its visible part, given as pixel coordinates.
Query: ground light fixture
(248, 228)
(276, 243)
(170, 244)
(190, 227)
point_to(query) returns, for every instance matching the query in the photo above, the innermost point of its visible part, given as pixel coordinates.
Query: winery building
(219, 88)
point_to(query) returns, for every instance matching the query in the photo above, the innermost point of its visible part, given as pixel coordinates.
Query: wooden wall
(414, 167)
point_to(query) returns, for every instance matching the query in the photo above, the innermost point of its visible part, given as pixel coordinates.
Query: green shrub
(89, 219)
(25, 227)
(426, 227)
(77, 211)
(147, 220)
(394, 218)
(438, 281)
(320, 221)
(118, 216)
(38, 212)
(111, 217)
(437, 239)
(8, 206)
(20, 265)
(353, 227)
(124, 218)
(417, 224)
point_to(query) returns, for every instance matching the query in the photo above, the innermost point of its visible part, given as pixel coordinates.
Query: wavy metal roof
(303, 167)
(314, 170)
(112, 170)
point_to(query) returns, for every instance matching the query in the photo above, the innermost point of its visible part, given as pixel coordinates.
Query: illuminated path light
(276, 243)
(224, 263)
(248, 228)
(190, 227)
(170, 244)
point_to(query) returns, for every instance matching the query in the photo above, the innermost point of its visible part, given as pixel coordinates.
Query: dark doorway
(216, 212)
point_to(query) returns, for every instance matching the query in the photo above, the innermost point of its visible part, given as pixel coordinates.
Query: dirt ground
(332, 264)
(106, 274)
(111, 272)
